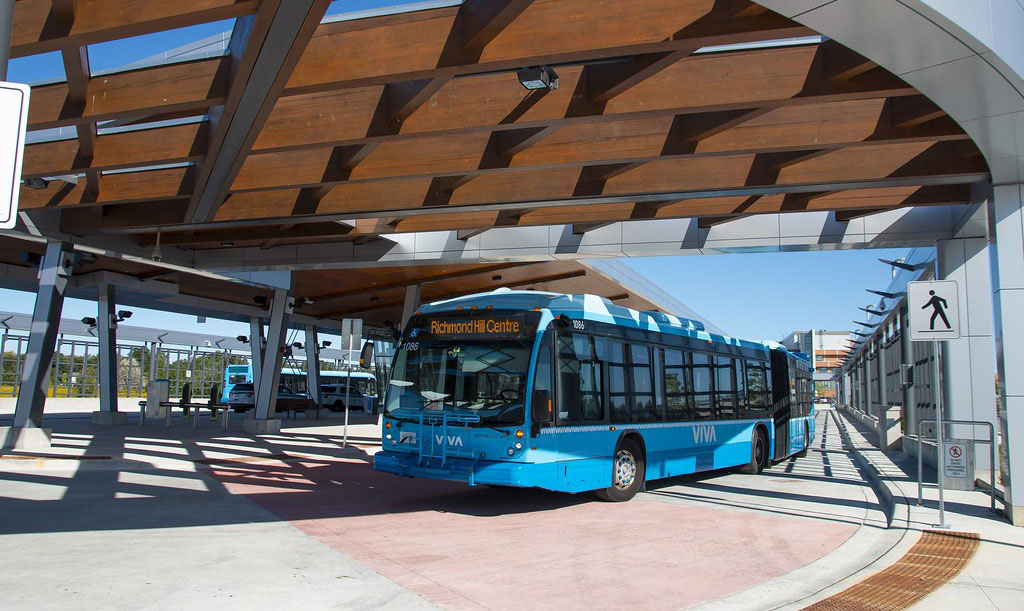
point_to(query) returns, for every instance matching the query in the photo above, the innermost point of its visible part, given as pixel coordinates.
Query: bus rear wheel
(807, 443)
(628, 469)
(758, 453)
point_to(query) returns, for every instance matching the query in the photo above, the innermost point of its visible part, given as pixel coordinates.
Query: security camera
(124, 314)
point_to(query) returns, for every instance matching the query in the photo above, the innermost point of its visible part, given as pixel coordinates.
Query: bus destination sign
(476, 327)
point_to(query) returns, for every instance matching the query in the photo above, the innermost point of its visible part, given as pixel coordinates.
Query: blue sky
(755, 296)
(767, 295)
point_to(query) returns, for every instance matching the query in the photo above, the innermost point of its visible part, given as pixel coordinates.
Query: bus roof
(591, 307)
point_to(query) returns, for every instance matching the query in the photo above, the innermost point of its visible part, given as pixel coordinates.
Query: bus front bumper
(467, 470)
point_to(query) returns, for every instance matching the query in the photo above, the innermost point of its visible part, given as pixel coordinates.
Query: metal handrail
(991, 441)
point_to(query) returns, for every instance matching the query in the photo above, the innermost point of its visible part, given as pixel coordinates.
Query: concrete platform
(109, 418)
(116, 515)
(24, 438)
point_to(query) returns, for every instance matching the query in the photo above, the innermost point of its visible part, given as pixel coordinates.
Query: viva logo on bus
(454, 441)
(704, 433)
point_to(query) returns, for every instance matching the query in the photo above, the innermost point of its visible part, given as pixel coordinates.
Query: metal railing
(991, 441)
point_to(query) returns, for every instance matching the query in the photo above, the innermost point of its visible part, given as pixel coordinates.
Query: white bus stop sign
(13, 121)
(934, 310)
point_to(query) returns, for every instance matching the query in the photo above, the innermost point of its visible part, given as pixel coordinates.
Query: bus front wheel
(628, 469)
(758, 453)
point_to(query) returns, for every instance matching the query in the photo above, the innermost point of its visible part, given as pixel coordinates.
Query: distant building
(826, 350)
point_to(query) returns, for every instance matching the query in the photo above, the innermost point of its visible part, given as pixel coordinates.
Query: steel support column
(266, 390)
(256, 348)
(412, 301)
(6, 23)
(1006, 236)
(54, 272)
(106, 329)
(313, 363)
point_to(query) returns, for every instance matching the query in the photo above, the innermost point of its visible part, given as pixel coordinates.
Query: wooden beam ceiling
(416, 122)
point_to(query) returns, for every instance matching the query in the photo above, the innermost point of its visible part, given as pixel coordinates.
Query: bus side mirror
(540, 409)
(366, 356)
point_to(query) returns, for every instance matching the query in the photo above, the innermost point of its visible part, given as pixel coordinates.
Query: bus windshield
(485, 379)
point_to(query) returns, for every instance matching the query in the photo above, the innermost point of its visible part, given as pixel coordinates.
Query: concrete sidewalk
(151, 516)
(993, 579)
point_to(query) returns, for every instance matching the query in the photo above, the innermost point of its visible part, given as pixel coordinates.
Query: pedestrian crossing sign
(934, 310)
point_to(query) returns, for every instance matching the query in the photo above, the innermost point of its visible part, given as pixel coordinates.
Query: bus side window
(617, 382)
(757, 391)
(725, 400)
(677, 392)
(642, 388)
(579, 380)
(741, 390)
(702, 387)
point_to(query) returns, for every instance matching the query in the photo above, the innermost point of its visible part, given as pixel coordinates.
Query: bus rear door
(780, 401)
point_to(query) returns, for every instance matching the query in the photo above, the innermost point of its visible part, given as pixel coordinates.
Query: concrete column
(1006, 237)
(313, 363)
(968, 364)
(412, 301)
(266, 389)
(54, 272)
(106, 331)
(869, 365)
(882, 425)
(907, 358)
(256, 345)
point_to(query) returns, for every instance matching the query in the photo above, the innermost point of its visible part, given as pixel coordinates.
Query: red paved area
(463, 547)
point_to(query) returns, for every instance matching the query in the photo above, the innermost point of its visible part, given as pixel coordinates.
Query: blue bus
(573, 393)
(295, 379)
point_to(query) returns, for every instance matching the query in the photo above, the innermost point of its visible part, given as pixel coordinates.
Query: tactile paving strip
(930, 563)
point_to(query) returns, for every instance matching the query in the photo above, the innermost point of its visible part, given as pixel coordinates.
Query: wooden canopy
(310, 132)
(372, 294)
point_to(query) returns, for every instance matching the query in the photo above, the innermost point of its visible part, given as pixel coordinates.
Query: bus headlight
(511, 451)
(519, 446)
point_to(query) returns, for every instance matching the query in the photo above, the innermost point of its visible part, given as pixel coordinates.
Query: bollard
(186, 398)
(142, 413)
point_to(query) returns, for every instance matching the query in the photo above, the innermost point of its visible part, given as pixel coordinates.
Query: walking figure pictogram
(940, 306)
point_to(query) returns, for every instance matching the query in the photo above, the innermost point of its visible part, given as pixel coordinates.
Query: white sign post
(934, 308)
(13, 121)
(351, 332)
